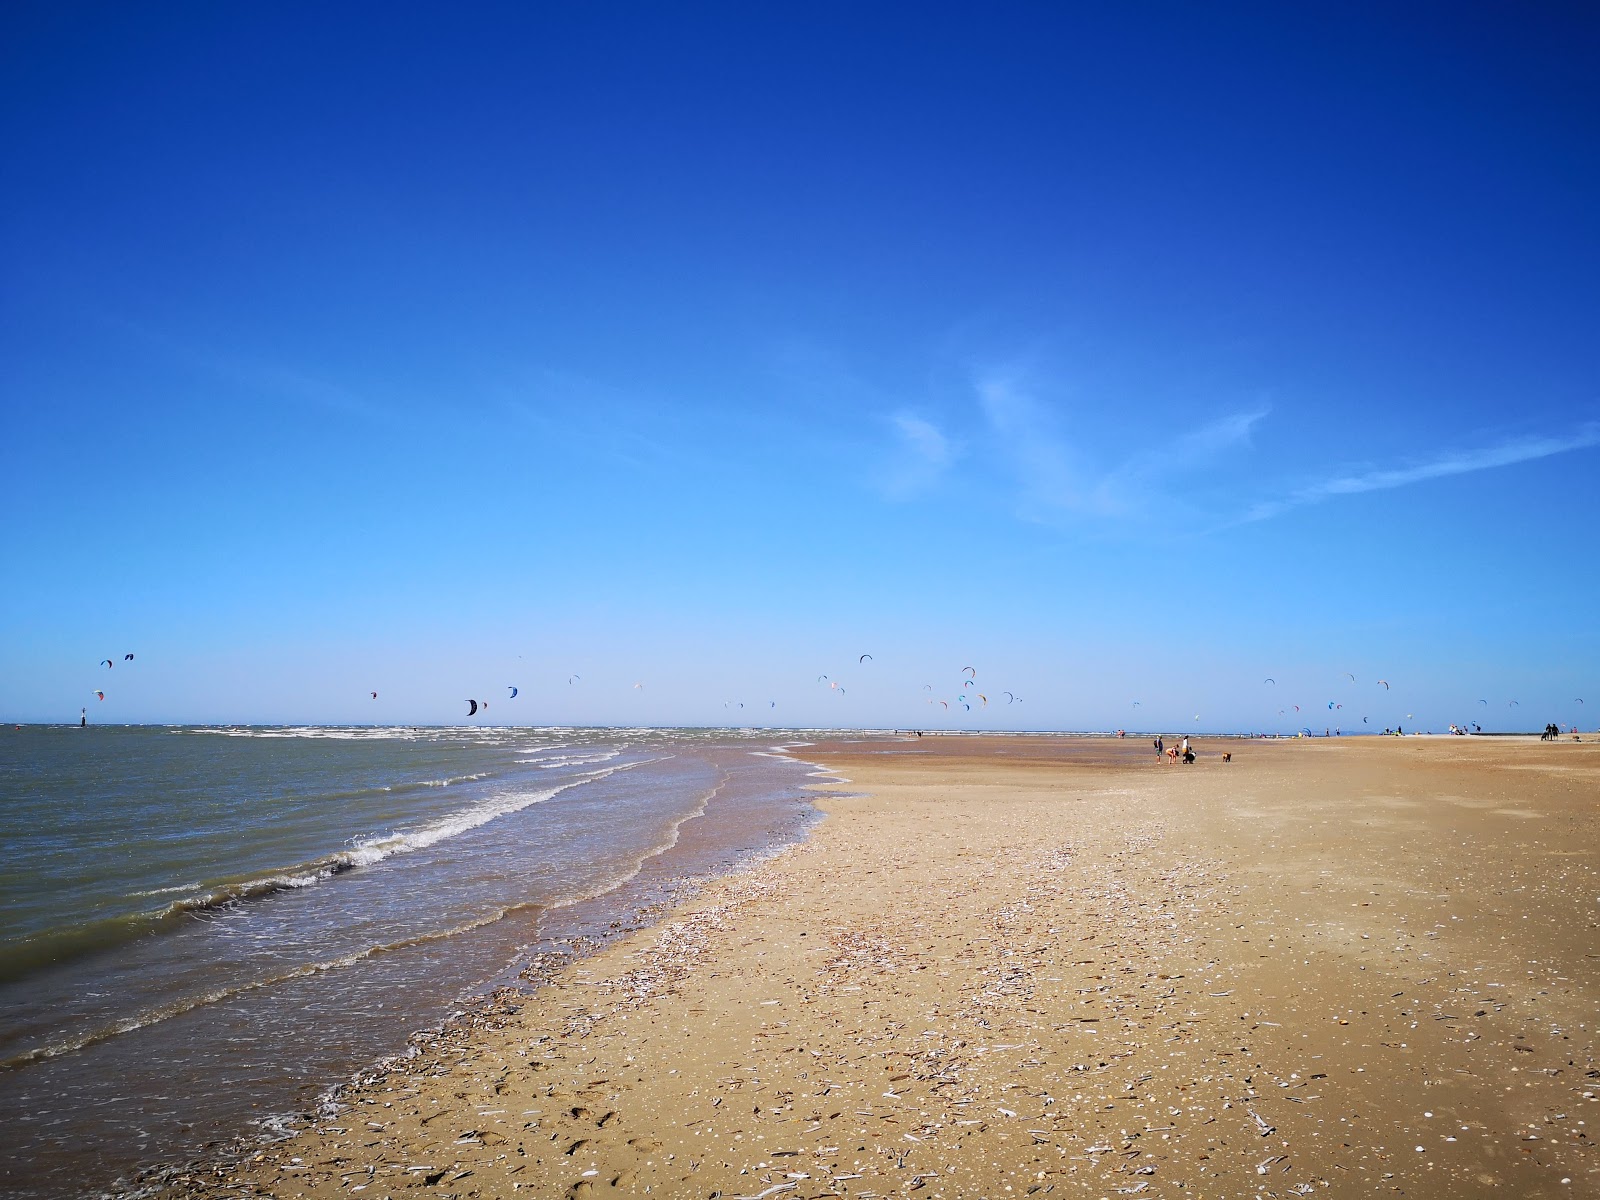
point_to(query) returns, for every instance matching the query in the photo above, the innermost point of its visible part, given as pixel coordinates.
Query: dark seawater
(203, 929)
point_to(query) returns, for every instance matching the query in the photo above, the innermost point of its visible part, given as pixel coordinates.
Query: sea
(204, 931)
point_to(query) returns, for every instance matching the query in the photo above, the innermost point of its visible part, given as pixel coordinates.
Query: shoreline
(1009, 965)
(71, 1117)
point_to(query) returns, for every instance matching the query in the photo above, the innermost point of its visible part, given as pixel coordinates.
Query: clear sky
(1122, 352)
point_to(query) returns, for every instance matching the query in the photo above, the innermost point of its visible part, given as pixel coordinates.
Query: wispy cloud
(1049, 469)
(1059, 475)
(1459, 462)
(924, 453)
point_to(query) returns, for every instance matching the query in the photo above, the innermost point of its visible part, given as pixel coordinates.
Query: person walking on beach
(1160, 748)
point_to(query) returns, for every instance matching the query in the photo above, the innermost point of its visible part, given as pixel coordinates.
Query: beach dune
(1013, 966)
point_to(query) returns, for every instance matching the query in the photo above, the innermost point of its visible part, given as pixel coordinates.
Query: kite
(1483, 702)
(127, 658)
(106, 663)
(513, 695)
(1136, 703)
(984, 698)
(927, 687)
(472, 708)
(638, 687)
(970, 670)
(968, 683)
(1385, 683)
(1010, 699)
(1579, 699)
(1513, 704)
(822, 679)
(945, 704)
(1270, 680)
(1297, 708)
(374, 695)
(774, 704)
(1352, 677)
(99, 695)
(571, 679)
(863, 658)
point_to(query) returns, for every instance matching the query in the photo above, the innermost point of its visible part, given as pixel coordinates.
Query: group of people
(1182, 752)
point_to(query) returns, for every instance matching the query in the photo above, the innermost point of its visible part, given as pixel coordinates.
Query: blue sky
(1126, 353)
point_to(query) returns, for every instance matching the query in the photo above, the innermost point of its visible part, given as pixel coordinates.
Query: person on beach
(1160, 748)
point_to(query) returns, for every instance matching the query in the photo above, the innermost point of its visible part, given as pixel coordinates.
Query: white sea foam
(368, 851)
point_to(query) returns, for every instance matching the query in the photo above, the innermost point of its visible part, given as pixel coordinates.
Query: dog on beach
(1227, 756)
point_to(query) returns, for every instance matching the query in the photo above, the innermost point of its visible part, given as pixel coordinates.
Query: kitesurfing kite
(571, 679)
(1270, 680)
(374, 695)
(1385, 683)
(513, 695)
(127, 658)
(472, 708)
(106, 663)
(1011, 699)
(1352, 677)
(99, 695)
(863, 658)
(970, 671)
(984, 698)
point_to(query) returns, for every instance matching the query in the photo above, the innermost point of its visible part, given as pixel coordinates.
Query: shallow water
(203, 929)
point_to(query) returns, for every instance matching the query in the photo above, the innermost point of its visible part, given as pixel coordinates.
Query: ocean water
(204, 929)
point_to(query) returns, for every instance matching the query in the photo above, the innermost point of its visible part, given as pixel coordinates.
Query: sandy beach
(1029, 966)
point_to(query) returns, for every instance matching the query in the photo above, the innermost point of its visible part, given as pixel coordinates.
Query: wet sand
(1029, 966)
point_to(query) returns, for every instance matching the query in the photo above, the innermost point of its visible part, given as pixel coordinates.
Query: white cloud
(1060, 476)
(924, 439)
(924, 452)
(1460, 462)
